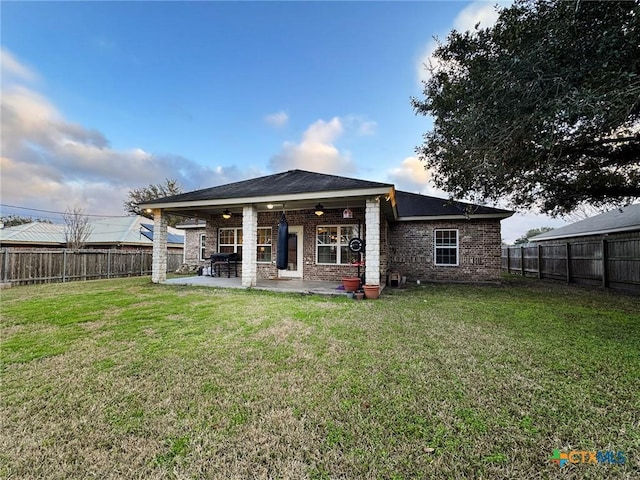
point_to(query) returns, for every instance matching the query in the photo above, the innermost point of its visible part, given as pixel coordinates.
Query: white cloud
(10, 67)
(479, 11)
(316, 151)
(49, 162)
(359, 124)
(278, 119)
(412, 176)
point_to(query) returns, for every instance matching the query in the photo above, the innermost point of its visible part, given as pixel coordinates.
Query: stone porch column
(159, 259)
(249, 246)
(372, 241)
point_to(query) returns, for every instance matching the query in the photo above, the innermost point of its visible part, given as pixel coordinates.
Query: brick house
(422, 237)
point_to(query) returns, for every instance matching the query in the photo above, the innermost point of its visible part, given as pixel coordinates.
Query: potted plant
(351, 284)
(372, 291)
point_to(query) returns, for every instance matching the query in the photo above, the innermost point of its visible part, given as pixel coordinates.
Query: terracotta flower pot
(372, 291)
(351, 284)
(359, 295)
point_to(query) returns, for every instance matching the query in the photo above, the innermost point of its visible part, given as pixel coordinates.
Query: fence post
(64, 265)
(508, 260)
(109, 263)
(539, 250)
(6, 266)
(605, 277)
(522, 260)
(568, 262)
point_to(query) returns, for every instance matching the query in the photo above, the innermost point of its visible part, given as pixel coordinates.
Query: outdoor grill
(222, 260)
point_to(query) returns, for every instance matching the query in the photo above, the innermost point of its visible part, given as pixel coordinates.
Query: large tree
(531, 233)
(542, 109)
(153, 191)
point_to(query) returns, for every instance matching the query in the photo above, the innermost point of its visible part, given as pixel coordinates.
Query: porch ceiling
(236, 205)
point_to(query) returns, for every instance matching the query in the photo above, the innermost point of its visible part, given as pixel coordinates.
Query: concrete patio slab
(276, 285)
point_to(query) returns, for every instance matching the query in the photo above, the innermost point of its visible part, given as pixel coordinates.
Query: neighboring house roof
(412, 206)
(35, 232)
(133, 231)
(286, 183)
(625, 219)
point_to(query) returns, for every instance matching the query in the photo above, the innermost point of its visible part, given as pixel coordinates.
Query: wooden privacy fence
(28, 266)
(610, 263)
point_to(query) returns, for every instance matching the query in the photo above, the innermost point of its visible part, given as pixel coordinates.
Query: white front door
(294, 265)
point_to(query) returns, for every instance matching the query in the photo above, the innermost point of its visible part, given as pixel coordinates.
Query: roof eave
(188, 227)
(365, 192)
(479, 216)
(631, 228)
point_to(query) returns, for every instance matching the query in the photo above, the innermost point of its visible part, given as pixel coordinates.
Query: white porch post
(159, 260)
(249, 246)
(372, 241)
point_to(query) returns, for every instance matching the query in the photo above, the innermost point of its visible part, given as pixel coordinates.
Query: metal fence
(29, 266)
(610, 263)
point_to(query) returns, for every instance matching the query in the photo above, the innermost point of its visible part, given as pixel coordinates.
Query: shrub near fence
(610, 263)
(26, 266)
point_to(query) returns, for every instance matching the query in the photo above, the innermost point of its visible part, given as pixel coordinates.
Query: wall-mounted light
(319, 210)
(226, 214)
(148, 210)
(270, 206)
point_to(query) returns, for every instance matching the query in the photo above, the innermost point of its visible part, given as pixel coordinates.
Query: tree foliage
(542, 109)
(14, 220)
(531, 233)
(153, 191)
(76, 227)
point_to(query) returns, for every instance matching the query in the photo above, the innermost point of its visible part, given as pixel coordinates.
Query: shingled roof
(414, 206)
(625, 219)
(286, 183)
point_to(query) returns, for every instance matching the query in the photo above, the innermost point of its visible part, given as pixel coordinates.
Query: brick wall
(192, 246)
(411, 251)
(406, 247)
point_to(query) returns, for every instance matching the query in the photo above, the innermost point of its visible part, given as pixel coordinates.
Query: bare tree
(77, 228)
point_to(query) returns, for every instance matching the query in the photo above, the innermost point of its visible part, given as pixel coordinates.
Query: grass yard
(125, 379)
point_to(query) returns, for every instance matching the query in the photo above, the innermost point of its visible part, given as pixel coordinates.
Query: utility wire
(61, 213)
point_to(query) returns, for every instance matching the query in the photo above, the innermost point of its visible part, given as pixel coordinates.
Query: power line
(61, 213)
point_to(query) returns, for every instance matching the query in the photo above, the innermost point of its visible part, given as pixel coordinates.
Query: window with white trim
(264, 245)
(230, 240)
(445, 246)
(332, 244)
(203, 243)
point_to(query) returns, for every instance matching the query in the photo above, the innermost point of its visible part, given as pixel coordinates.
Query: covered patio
(323, 214)
(291, 285)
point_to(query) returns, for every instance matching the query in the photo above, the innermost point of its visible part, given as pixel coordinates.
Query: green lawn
(125, 379)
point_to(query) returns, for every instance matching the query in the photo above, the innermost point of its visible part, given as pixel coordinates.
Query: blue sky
(100, 98)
